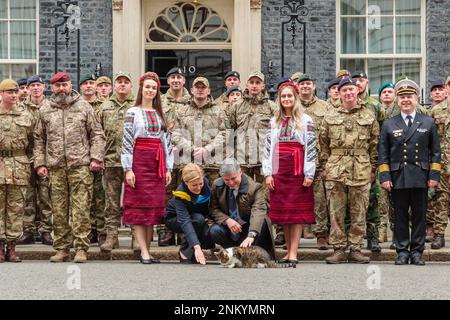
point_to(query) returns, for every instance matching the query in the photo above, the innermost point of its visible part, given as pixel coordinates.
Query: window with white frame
(385, 38)
(18, 38)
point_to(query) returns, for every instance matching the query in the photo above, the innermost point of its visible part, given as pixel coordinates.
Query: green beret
(87, 77)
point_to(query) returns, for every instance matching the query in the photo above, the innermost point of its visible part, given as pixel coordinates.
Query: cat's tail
(272, 264)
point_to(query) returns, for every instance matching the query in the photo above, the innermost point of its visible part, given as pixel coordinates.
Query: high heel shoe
(283, 260)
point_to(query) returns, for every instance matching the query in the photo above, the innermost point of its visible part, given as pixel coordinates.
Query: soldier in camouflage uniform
(232, 78)
(111, 114)
(38, 211)
(316, 109)
(16, 126)
(438, 93)
(103, 87)
(333, 93)
(295, 76)
(438, 210)
(23, 90)
(176, 96)
(348, 154)
(199, 130)
(88, 86)
(373, 213)
(68, 144)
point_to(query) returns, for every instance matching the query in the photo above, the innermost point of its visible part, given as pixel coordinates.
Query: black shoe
(292, 261)
(373, 245)
(283, 261)
(416, 259)
(402, 259)
(145, 261)
(153, 260)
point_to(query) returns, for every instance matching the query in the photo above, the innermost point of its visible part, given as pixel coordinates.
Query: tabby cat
(247, 257)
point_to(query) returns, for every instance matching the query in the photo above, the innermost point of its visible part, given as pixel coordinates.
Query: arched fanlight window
(188, 22)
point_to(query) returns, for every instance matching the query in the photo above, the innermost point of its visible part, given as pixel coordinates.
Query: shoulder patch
(182, 195)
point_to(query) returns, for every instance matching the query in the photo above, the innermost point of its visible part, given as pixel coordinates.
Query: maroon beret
(60, 77)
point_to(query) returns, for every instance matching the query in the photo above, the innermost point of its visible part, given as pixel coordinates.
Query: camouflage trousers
(112, 183)
(321, 228)
(98, 204)
(12, 206)
(71, 196)
(437, 210)
(386, 210)
(38, 209)
(340, 198)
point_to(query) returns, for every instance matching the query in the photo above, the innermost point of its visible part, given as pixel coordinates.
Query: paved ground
(170, 280)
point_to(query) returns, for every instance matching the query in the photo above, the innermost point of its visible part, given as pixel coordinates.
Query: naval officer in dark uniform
(409, 162)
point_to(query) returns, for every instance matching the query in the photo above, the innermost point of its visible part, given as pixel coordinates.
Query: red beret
(60, 77)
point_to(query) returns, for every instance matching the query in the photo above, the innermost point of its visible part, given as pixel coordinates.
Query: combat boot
(429, 233)
(356, 256)
(338, 256)
(111, 242)
(11, 255)
(93, 236)
(61, 256)
(373, 245)
(101, 239)
(166, 238)
(26, 238)
(2, 252)
(322, 243)
(80, 256)
(46, 238)
(382, 236)
(307, 234)
(438, 242)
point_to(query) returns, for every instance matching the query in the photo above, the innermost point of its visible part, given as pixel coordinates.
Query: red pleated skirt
(291, 202)
(145, 204)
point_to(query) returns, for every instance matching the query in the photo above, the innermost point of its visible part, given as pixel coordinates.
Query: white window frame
(392, 56)
(9, 61)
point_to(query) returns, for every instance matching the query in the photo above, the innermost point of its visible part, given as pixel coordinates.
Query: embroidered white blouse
(140, 123)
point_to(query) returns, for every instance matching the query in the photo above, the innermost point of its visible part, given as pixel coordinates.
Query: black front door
(211, 64)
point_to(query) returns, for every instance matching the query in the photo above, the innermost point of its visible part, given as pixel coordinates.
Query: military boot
(26, 238)
(356, 256)
(93, 236)
(166, 238)
(322, 243)
(429, 233)
(373, 245)
(2, 252)
(382, 235)
(307, 234)
(101, 239)
(111, 242)
(61, 256)
(80, 256)
(338, 256)
(438, 242)
(11, 255)
(46, 238)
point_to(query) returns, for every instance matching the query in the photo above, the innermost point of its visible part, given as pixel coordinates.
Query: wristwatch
(252, 234)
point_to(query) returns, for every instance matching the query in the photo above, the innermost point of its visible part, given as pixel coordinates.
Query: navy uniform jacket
(409, 157)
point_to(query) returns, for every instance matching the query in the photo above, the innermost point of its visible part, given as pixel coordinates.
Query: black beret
(333, 82)
(175, 70)
(33, 79)
(359, 74)
(22, 82)
(232, 74)
(437, 84)
(232, 89)
(346, 81)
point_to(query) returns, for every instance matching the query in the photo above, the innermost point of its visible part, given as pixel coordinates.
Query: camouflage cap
(343, 73)
(8, 84)
(406, 86)
(200, 80)
(122, 74)
(103, 79)
(448, 80)
(256, 74)
(295, 76)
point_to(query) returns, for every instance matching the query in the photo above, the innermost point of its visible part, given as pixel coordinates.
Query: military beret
(35, 78)
(343, 73)
(103, 79)
(448, 80)
(295, 76)
(256, 74)
(406, 86)
(8, 84)
(175, 70)
(305, 77)
(60, 77)
(334, 82)
(232, 74)
(281, 81)
(87, 77)
(122, 74)
(437, 84)
(385, 85)
(200, 80)
(233, 89)
(346, 81)
(22, 82)
(359, 74)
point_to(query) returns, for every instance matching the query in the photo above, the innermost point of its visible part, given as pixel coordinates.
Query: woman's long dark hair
(156, 103)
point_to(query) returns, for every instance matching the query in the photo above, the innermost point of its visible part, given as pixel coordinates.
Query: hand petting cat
(247, 242)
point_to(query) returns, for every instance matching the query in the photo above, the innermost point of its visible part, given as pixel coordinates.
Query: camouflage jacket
(250, 119)
(316, 109)
(348, 144)
(195, 127)
(375, 106)
(441, 115)
(34, 109)
(67, 135)
(96, 104)
(169, 103)
(394, 110)
(332, 103)
(222, 101)
(111, 115)
(16, 127)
